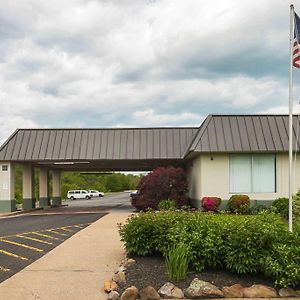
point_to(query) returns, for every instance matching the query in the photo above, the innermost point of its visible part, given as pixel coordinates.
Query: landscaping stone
(233, 291)
(130, 293)
(129, 262)
(119, 278)
(110, 286)
(107, 286)
(121, 269)
(113, 295)
(149, 293)
(287, 292)
(260, 291)
(169, 290)
(113, 286)
(202, 289)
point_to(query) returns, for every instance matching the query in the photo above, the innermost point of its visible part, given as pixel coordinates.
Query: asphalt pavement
(27, 237)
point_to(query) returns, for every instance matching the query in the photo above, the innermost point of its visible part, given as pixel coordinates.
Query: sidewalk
(76, 269)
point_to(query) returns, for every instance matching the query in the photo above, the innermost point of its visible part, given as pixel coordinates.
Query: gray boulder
(202, 289)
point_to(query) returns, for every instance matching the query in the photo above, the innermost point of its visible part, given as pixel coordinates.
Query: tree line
(104, 182)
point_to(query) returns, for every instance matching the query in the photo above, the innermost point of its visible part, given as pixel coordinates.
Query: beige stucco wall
(7, 182)
(208, 175)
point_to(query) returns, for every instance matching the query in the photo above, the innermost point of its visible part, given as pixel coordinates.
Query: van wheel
(87, 197)
(72, 198)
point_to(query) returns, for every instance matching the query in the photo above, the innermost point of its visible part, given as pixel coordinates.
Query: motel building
(225, 155)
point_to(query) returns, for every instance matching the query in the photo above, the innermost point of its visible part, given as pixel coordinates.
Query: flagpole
(291, 119)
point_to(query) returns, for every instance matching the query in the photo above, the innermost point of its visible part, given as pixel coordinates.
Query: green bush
(166, 204)
(242, 244)
(177, 261)
(296, 206)
(239, 203)
(258, 208)
(281, 206)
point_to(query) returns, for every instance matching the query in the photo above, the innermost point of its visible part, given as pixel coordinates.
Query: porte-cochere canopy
(131, 149)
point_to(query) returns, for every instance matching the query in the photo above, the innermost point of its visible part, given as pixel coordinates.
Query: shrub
(161, 183)
(166, 204)
(239, 203)
(242, 244)
(296, 206)
(258, 208)
(281, 206)
(210, 203)
(177, 261)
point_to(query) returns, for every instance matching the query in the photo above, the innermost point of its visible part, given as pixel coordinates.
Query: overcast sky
(127, 63)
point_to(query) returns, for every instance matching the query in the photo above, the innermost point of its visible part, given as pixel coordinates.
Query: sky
(141, 63)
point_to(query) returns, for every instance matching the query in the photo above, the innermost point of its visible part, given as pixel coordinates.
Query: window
(4, 167)
(252, 173)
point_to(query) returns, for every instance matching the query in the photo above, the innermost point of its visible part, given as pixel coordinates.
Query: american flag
(296, 45)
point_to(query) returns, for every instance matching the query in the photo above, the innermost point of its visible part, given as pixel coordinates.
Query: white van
(95, 193)
(78, 194)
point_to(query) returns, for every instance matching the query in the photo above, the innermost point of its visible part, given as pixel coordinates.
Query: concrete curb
(19, 212)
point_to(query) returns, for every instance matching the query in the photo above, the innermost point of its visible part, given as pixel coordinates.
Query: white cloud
(139, 63)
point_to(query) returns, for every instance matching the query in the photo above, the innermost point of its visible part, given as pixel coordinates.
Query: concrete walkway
(76, 269)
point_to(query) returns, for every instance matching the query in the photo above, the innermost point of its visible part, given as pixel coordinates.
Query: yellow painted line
(22, 245)
(81, 225)
(47, 236)
(33, 239)
(78, 226)
(13, 255)
(2, 269)
(59, 233)
(67, 229)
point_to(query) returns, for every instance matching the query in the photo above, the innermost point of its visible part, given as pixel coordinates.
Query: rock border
(198, 289)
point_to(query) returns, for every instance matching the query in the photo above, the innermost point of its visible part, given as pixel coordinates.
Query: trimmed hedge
(239, 243)
(210, 203)
(239, 203)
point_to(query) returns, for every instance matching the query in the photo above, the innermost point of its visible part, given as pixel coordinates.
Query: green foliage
(296, 206)
(239, 203)
(177, 261)
(258, 208)
(166, 204)
(281, 206)
(242, 244)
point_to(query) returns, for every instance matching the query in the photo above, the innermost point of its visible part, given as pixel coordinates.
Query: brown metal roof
(146, 148)
(97, 144)
(245, 133)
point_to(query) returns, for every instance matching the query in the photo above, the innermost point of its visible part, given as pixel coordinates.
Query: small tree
(162, 183)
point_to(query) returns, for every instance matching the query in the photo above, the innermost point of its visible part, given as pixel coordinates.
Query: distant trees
(114, 182)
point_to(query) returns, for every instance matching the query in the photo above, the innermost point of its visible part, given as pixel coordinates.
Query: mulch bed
(151, 270)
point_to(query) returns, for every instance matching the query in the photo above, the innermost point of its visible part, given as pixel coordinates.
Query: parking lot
(24, 239)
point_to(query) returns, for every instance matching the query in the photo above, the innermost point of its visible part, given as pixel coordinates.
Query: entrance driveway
(27, 237)
(109, 200)
(77, 268)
